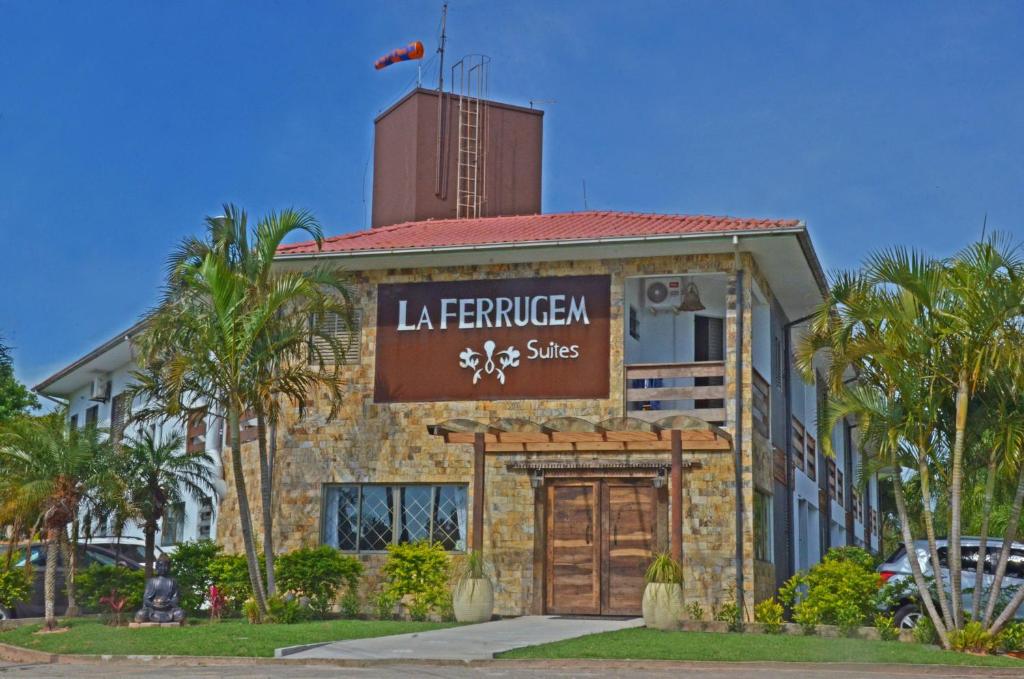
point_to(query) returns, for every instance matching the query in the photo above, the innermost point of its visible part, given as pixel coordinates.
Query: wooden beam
(676, 483)
(478, 491)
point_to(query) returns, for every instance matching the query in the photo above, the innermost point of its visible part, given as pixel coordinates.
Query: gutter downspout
(790, 472)
(738, 428)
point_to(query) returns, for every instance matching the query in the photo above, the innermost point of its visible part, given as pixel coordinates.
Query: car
(896, 570)
(35, 554)
(134, 549)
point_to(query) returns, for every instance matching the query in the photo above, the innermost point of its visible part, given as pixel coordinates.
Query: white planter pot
(473, 600)
(663, 605)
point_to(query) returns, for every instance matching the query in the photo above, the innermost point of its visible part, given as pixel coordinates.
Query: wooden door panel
(629, 513)
(573, 549)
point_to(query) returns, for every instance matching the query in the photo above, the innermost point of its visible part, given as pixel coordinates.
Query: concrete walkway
(470, 642)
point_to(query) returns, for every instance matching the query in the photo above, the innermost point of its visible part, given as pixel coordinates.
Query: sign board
(523, 338)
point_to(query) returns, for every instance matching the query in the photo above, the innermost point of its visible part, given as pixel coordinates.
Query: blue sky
(123, 123)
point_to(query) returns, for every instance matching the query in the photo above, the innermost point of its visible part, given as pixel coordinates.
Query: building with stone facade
(567, 393)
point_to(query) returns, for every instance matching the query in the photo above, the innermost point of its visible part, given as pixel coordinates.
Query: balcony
(657, 390)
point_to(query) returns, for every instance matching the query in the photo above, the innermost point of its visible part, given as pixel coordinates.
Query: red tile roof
(568, 226)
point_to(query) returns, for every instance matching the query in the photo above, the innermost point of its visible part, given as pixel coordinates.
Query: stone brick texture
(389, 443)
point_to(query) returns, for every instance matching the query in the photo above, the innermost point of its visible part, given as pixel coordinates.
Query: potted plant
(663, 605)
(473, 598)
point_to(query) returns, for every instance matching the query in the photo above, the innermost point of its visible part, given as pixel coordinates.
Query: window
(174, 525)
(345, 331)
(195, 432)
(634, 322)
(118, 417)
(204, 526)
(763, 527)
(92, 416)
(370, 517)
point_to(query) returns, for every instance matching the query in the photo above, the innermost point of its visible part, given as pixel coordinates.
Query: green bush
(730, 613)
(769, 613)
(286, 610)
(350, 604)
(15, 585)
(857, 555)
(695, 610)
(924, 631)
(973, 638)
(886, 626)
(808, 617)
(1012, 637)
(318, 573)
(664, 569)
(97, 581)
(420, 569)
(190, 565)
(231, 575)
(841, 590)
(251, 611)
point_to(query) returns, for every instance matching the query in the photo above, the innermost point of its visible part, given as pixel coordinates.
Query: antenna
(440, 189)
(585, 207)
(440, 47)
(984, 223)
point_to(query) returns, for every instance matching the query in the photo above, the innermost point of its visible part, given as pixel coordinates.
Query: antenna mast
(440, 189)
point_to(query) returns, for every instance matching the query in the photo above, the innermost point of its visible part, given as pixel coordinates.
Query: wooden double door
(600, 537)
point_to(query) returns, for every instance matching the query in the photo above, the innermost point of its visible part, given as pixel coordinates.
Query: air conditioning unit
(100, 389)
(664, 293)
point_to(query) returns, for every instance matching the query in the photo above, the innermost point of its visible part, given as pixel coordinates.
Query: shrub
(190, 565)
(115, 604)
(217, 604)
(973, 638)
(251, 611)
(350, 604)
(318, 573)
(769, 614)
(286, 610)
(857, 555)
(808, 616)
(886, 626)
(231, 575)
(664, 569)
(15, 585)
(730, 613)
(841, 590)
(97, 581)
(695, 610)
(385, 602)
(1012, 637)
(924, 631)
(419, 569)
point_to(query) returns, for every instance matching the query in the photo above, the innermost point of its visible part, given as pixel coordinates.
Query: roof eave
(89, 357)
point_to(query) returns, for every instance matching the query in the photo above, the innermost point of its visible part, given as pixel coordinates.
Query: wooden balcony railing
(657, 390)
(760, 402)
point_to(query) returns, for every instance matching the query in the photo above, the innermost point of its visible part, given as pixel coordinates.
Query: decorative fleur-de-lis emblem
(490, 362)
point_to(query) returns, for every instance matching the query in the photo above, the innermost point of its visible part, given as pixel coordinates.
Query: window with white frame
(369, 517)
(763, 527)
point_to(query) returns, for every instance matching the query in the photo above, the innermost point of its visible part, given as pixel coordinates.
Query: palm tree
(50, 469)
(235, 334)
(156, 475)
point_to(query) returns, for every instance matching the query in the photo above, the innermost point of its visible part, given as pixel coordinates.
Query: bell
(691, 298)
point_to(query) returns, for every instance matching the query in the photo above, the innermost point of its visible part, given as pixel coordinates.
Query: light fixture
(691, 298)
(659, 480)
(536, 478)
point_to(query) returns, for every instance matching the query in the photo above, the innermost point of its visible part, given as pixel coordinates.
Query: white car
(897, 569)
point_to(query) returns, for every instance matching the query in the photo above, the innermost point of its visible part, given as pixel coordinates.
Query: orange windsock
(411, 51)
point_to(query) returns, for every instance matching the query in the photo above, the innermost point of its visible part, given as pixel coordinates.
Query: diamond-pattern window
(370, 517)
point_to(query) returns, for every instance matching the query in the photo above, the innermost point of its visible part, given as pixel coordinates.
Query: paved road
(603, 670)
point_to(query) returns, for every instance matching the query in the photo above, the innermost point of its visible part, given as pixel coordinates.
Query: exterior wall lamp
(691, 298)
(537, 478)
(659, 480)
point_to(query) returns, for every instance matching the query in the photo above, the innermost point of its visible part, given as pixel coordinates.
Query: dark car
(88, 555)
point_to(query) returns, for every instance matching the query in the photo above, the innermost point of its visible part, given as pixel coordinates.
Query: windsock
(411, 51)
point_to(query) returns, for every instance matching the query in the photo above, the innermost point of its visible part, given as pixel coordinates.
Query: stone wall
(389, 443)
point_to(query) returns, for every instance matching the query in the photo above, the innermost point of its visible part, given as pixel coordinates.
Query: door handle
(589, 533)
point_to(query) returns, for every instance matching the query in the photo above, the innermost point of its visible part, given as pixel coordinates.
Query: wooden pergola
(672, 435)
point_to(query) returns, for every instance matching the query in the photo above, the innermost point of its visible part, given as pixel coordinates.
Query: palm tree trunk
(915, 565)
(956, 483)
(1004, 553)
(266, 499)
(933, 550)
(979, 574)
(50, 578)
(149, 531)
(70, 568)
(245, 518)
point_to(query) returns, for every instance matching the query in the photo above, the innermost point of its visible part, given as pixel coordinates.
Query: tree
(49, 470)
(926, 355)
(157, 474)
(15, 398)
(235, 333)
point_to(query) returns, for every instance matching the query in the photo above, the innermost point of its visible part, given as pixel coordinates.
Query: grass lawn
(646, 644)
(230, 637)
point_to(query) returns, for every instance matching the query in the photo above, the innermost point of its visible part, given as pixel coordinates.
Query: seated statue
(160, 599)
